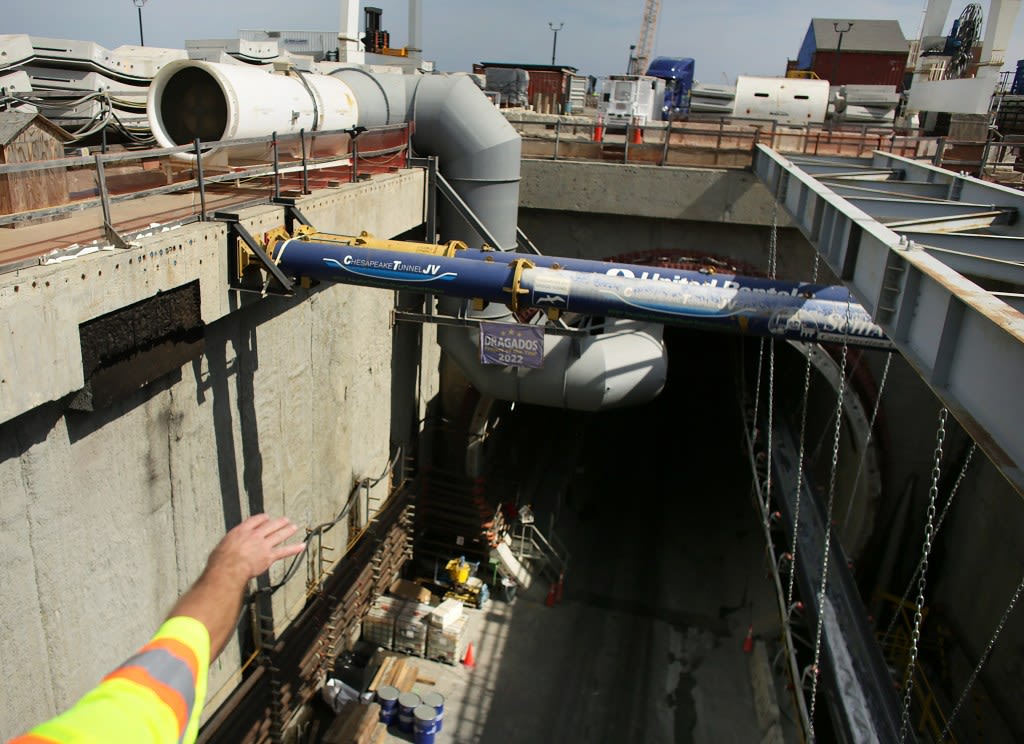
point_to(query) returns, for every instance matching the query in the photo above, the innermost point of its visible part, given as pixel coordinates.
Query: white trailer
(629, 99)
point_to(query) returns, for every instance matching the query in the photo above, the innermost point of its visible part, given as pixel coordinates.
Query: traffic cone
(468, 661)
(638, 133)
(748, 642)
(550, 600)
(599, 129)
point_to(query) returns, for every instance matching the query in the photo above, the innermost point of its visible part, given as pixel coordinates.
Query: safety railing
(181, 184)
(730, 143)
(530, 544)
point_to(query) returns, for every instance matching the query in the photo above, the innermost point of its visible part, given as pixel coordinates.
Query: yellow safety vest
(155, 697)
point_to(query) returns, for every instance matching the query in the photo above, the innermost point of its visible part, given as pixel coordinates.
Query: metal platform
(937, 259)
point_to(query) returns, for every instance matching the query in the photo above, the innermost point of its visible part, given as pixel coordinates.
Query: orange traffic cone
(550, 599)
(468, 661)
(748, 642)
(599, 129)
(638, 132)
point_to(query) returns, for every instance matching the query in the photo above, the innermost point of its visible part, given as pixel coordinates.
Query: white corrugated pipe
(211, 101)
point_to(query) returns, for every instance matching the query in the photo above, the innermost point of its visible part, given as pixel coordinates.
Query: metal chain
(760, 344)
(867, 440)
(757, 389)
(938, 526)
(772, 250)
(915, 636)
(828, 517)
(981, 662)
(800, 458)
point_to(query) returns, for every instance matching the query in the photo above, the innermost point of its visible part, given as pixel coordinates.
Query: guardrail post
(199, 180)
(305, 169)
(664, 149)
(108, 225)
(277, 169)
(558, 131)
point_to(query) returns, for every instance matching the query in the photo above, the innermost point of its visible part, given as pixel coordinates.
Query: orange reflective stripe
(168, 695)
(179, 649)
(33, 739)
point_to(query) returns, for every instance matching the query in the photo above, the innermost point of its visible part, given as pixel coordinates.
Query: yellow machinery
(464, 587)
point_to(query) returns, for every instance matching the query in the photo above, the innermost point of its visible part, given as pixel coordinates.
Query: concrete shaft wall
(106, 517)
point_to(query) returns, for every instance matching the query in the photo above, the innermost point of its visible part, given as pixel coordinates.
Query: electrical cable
(325, 527)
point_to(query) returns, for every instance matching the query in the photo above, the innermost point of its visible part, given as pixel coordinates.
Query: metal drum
(387, 696)
(407, 702)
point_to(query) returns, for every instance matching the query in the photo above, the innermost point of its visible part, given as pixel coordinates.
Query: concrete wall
(596, 210)
(106, 517)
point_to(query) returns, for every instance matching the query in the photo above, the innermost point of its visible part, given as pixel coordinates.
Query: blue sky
(727, 38)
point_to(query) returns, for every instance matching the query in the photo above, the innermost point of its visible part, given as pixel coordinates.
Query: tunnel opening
(193, 105)
(656, 506)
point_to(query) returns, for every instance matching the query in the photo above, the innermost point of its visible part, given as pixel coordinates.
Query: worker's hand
(253, 546)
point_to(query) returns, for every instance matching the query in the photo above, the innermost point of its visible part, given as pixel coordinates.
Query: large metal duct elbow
(478, 151)
(624, 366)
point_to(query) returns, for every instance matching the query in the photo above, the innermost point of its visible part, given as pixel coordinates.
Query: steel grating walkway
(937, 259)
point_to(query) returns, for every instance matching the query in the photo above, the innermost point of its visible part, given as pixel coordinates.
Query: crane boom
(645, 44)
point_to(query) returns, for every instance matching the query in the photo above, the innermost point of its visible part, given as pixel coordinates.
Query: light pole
(139, 4)
(554, 44)
(847, 25)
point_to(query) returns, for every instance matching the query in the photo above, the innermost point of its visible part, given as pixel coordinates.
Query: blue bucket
(424, 724)
(387, 696)
(436, 701)
(407, 702)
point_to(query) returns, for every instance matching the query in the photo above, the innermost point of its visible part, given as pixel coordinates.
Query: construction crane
(640, 57)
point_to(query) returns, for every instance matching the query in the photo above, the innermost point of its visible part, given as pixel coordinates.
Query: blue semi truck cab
(677, 72)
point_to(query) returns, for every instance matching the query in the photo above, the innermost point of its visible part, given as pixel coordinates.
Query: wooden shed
(28, 138)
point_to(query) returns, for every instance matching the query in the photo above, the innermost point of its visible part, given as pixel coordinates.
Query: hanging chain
(828, 516)
(772, 252)
(867, 440)
(938, 526)
(800, 459)
(760, 343)
(915, 636)
(981, 662)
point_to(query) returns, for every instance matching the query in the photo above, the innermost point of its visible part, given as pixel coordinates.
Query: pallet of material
(397, 671)
(447, 644)
(356, 724)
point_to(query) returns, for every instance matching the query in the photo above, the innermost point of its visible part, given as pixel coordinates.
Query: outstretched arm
(157, 695)
(249, 549)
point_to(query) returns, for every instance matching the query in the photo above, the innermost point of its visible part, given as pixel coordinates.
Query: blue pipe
(792, 310)
(668, 274)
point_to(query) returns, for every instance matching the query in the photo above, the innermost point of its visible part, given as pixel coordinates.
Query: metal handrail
(527, 532)
(104, 199)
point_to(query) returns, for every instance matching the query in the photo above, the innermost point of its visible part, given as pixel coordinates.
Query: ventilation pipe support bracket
(465, 212)
(292, 213)
(244, 251)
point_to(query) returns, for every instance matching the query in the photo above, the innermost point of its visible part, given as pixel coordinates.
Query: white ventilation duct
(478, 153)
(211, 101)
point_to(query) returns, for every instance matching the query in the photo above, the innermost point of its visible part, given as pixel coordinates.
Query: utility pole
(554, 44)
(847, 25)
(139, 4)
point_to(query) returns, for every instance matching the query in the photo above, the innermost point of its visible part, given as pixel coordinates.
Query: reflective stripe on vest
(156, 696)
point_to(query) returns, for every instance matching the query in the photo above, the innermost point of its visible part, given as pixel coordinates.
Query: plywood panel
(21, 192)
